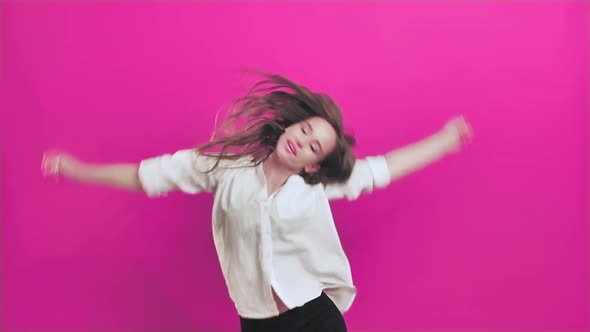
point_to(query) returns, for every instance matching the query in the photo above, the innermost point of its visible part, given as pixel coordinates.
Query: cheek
(306, 157)
(290, 130)
(314, 157)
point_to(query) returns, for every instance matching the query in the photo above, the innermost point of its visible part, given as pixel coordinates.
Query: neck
(275, 172)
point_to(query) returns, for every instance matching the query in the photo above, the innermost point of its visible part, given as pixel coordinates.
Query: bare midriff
(280, 305)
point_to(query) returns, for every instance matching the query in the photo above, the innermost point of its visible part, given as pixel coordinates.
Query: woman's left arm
(379, 171)
(402, 161)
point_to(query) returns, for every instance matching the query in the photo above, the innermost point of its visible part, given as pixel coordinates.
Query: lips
(291, 147)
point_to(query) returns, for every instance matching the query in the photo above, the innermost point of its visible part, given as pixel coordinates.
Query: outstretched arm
(183, 170)
(123, 176)
(413, 157)
(378, 171)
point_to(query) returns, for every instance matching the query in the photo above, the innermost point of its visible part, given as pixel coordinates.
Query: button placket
(265, 238)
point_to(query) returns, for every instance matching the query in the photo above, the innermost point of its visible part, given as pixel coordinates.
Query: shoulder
(221, 163)
(300, 198)
(296, 186)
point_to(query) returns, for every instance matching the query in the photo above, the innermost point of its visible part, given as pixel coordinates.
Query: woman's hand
(456, 133)
(55, 164)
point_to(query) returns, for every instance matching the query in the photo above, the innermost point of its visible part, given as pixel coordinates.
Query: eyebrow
(311, 129)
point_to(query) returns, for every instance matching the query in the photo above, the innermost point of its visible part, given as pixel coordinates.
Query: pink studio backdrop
(494, 238)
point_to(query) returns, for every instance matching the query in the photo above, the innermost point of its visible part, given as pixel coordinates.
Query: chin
(286, 159)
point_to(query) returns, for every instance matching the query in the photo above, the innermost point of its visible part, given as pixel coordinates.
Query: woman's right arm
(183, 170)
(123, 176)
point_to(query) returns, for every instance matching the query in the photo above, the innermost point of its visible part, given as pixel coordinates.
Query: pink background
(494, 238)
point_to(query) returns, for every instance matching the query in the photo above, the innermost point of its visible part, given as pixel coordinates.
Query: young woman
(273, 165)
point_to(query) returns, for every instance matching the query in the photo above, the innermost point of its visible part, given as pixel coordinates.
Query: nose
(298, 142)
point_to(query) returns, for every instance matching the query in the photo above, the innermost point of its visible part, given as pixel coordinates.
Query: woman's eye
(303, 130)
(312, 149)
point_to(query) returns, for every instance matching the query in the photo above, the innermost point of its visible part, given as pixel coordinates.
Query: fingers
(50, 164)
(465, 130)
(46, 165)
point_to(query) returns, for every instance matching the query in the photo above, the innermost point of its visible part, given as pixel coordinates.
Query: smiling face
(305, 144)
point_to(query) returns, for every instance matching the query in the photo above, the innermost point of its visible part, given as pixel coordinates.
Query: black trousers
(320, 314)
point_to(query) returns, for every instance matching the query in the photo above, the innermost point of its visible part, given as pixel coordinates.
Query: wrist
(445, 142)
(76, 171)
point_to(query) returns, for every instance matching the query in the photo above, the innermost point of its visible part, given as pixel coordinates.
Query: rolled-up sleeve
(185, 170)
(367, 174)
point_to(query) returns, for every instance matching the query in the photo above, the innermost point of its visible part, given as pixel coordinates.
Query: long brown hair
(255, 122)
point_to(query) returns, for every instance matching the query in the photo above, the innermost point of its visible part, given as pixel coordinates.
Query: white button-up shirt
(286, 241)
